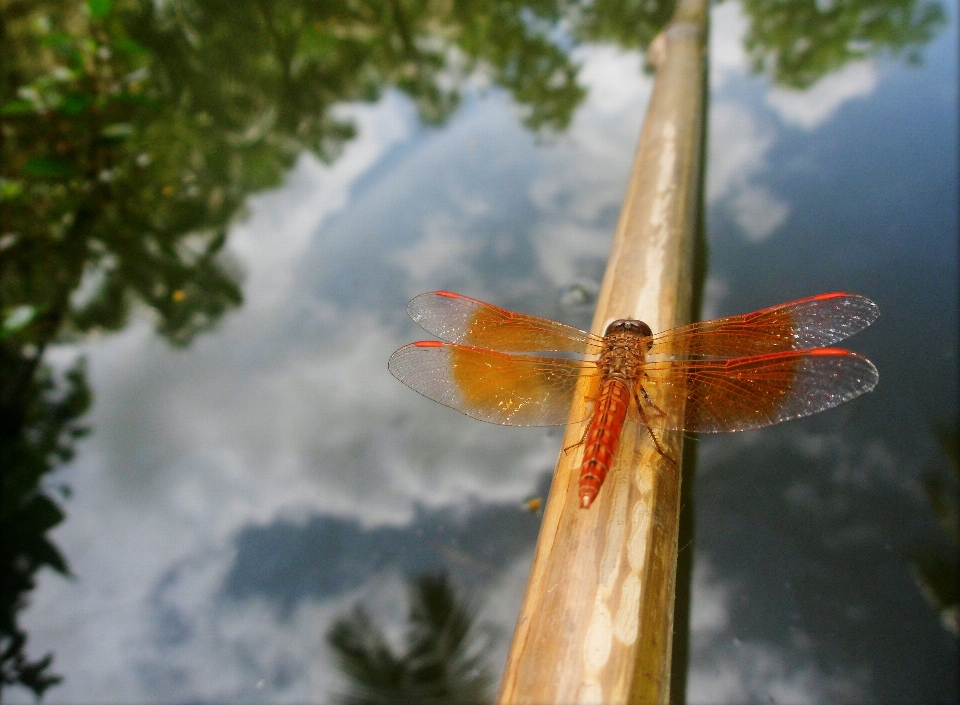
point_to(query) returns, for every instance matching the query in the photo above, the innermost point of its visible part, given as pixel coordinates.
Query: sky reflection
(237, 495)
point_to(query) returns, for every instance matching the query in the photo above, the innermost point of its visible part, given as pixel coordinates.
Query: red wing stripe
(798, 325)
(753, 392)
(428, 344)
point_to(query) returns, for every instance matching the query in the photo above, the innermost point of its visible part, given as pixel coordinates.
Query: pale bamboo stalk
(597, 618)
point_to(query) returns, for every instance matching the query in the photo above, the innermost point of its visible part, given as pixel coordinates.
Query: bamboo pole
(596, 622)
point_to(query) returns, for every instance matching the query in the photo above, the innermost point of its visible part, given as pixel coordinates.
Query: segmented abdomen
(602, 438)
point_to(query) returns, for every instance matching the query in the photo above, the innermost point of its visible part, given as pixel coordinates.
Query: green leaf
(46, 553)
(58, 40)
(10, 189)
(19, 318)
(17, 107)
(98, 8)
(47, 167)
(127, 46)
(74, 103)
(40, 514)
(118, 131)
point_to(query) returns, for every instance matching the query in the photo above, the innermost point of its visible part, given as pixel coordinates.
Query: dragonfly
(729, 374)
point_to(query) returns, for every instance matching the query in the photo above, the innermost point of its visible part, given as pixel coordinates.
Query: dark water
(252, 471)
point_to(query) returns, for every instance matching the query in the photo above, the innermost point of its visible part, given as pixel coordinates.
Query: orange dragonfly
(730, 374)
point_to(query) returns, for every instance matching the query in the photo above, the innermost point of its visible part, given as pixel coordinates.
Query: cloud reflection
(811, 108)
(285, 417)
(728, 669)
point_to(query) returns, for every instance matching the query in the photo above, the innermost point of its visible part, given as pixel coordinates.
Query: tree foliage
(799, 42)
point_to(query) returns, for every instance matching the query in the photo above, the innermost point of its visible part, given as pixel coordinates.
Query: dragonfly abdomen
(602, 438)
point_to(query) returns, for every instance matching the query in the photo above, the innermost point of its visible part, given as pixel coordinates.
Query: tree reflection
(630, 23)
(937, 569)
(37, 427)
(798, 42)
(132, 131)
(440, 662)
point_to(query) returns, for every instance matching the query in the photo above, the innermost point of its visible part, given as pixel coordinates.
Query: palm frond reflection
(441, 660)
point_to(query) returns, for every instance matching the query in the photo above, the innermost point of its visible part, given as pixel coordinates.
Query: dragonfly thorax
(624, 346)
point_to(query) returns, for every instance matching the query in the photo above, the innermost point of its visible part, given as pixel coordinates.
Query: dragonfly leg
(646, 424)
(650, 401)
(590, 402)
(579, 443)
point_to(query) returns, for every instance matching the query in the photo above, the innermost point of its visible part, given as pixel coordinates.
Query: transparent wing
(460, 319)
(752, 392)
(804, 324)
(512, 390)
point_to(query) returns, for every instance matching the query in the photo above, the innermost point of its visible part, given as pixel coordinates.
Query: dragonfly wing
(512, 390)
(460, 319)
(804, 324)
(752, 392)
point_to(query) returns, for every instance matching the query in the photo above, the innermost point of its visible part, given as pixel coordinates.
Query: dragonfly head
(627, 325)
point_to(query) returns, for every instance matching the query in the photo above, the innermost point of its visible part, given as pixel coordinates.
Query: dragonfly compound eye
(627, 325)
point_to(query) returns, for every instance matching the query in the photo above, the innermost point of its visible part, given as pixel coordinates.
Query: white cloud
(737, 149)
(759, 212)
(736, 166)
(739, 139)
(815, 106)
(283, 221)
(714, 292)
(741, 136)
(728, 60)
(614, 79)
(725, 669)
(439, 251)
(584, 177)
(499, 611)
(710, 604)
